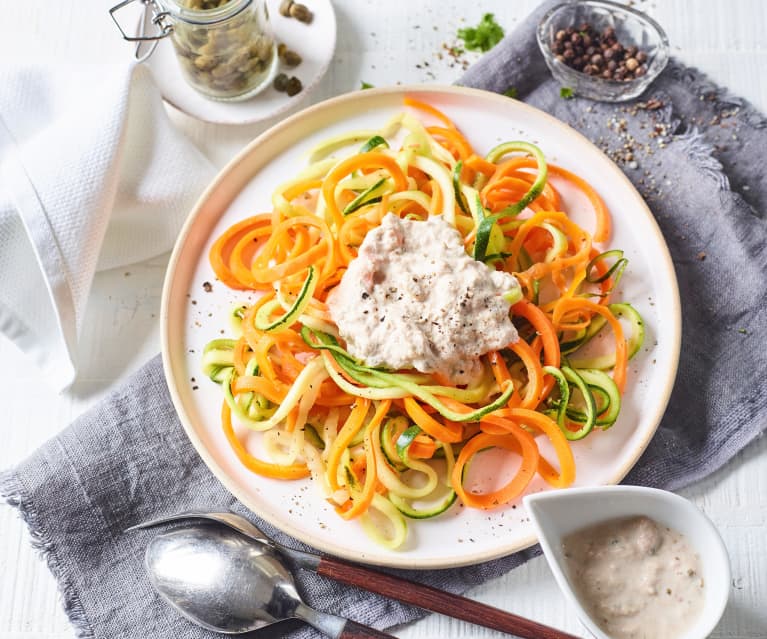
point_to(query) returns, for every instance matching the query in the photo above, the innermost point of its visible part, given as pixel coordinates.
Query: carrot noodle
(363, 434)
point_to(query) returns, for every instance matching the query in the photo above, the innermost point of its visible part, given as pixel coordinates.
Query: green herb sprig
(484, 36)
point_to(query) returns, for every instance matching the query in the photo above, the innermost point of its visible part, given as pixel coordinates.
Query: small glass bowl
(632, 27)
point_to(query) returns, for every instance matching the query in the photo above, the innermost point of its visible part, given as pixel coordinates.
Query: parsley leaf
(484, 36)
(366, 85)
(566, 93)
(511, 92)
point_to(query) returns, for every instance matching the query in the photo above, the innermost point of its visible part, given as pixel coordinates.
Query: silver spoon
(409, 592)
(219, 579)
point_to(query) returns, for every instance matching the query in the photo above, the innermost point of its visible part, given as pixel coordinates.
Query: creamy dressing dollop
(637, 578)
(413, 298)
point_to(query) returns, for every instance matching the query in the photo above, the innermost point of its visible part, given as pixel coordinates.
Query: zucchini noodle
(384, 445)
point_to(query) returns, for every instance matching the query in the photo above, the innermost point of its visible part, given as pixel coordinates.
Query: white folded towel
(93, 175)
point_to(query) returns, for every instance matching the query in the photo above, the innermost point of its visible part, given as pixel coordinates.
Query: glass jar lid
(180, 10)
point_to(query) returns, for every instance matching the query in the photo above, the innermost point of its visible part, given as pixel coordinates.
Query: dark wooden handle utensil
(436, 600)
(409, 592)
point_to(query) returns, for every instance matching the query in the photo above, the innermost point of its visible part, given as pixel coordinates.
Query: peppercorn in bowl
(602, 50)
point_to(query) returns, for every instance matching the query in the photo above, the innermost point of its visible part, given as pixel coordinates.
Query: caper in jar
(229, 56)
(204, 5)
(205, 62)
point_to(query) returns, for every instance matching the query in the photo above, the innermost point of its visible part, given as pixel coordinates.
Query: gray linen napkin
(695, 158)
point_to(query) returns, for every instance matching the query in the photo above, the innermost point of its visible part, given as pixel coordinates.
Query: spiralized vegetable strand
(288, 378)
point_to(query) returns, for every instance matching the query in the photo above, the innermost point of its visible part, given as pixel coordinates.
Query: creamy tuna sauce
(413, 298)
(636, 578)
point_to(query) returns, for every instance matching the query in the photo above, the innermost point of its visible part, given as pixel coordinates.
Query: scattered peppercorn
(651, 105)
(598, 53)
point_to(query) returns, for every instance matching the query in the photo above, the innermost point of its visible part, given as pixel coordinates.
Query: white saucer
(314, 42)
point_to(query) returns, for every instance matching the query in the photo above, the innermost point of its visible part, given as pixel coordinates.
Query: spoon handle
(354, 630)
(334, 626)
(435, 600)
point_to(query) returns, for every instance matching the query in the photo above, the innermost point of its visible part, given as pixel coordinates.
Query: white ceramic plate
(191, 317)
(315, 43)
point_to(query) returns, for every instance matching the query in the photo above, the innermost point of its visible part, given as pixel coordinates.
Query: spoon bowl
(224, 581)
(184, 564)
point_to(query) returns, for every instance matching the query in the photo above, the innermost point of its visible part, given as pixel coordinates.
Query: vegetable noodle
(385, 446)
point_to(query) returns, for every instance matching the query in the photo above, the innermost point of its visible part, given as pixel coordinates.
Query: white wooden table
(381, 45)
